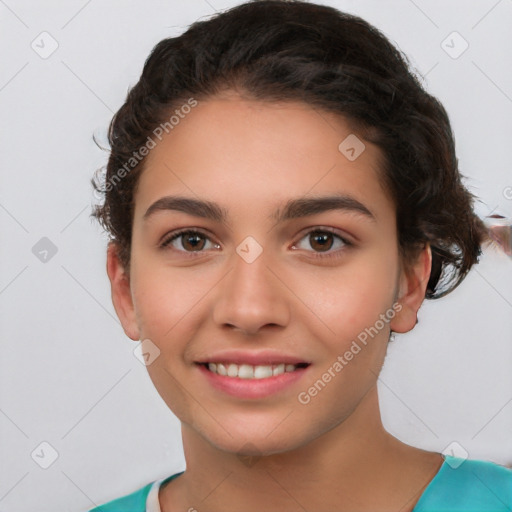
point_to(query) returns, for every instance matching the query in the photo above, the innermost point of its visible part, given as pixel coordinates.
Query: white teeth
(278, 369)
(232, 370)
(262, 372)
(247, 371)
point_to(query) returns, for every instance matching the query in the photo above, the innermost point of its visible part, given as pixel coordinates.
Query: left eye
(321, 240)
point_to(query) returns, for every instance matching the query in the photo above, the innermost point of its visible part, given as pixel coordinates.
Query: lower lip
(252, 388)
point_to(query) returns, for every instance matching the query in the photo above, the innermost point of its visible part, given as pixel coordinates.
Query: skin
(328, 453)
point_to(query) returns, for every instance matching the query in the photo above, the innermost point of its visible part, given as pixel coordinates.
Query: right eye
(190, 240)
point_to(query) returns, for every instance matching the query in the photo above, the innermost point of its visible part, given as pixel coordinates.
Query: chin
(257, 441)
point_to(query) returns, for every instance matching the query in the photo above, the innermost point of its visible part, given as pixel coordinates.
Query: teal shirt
(458, 486)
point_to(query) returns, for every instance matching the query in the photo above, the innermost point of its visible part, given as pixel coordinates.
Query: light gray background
(68, 375)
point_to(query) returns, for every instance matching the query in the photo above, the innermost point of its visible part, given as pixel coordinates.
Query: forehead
(255, 154)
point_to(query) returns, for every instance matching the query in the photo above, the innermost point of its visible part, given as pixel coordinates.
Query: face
(272, 283)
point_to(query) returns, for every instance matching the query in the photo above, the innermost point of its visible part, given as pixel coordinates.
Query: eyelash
(333, 254)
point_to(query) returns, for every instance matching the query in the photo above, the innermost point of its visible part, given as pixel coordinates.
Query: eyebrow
(292, 209)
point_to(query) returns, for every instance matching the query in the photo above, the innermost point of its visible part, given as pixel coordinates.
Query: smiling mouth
(247, 371)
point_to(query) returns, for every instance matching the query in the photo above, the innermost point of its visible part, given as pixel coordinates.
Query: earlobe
(413, 285)
(121, 293)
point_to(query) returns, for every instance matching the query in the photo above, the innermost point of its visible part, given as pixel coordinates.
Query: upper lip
(254, 358)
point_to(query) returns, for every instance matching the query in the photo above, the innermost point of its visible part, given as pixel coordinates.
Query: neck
(337, 468)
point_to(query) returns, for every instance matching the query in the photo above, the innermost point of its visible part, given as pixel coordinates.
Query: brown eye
(193, 241)
(323, 243)
(188, 241)
(321, 240)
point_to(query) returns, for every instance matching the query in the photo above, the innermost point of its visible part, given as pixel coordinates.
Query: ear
(412, 288)
(121, 293)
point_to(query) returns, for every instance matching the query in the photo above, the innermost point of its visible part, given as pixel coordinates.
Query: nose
(251, 296)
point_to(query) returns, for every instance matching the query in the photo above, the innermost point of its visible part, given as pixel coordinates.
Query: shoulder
(134, 502)
(468, 486)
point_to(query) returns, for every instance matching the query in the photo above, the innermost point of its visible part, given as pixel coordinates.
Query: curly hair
(279, 50)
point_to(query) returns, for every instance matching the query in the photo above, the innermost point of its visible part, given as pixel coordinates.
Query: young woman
(282, 195)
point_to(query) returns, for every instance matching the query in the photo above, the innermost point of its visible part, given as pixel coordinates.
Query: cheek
(166, 301)
(168, 310)
(346, 301)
